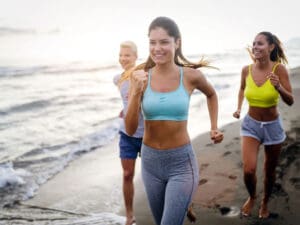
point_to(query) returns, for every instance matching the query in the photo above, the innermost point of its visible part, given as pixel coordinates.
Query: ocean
(52, 112)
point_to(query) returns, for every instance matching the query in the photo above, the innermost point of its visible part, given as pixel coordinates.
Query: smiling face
(127, 57)
(261, 47)
(162, 46)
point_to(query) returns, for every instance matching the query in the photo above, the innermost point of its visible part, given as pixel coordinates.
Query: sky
(91, 28)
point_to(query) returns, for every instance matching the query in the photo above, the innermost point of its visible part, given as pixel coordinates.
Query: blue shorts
(266, 132)
(130, 147)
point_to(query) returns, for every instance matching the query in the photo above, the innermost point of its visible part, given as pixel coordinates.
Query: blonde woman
(129, 145)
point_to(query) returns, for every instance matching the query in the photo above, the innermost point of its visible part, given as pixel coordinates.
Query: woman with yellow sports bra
(162, 91)
(262, 84)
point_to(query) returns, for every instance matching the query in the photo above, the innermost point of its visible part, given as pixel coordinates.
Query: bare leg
(128, 188)
(272, 153)
(250, 147)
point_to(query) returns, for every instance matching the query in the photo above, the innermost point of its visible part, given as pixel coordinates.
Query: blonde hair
(126, 74)
(129, 44)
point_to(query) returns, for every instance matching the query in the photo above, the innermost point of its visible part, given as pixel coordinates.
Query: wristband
(278, 86)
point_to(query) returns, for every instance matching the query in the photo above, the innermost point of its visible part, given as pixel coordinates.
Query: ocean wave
(7, 31)
(20, 178)
(16, 31)
(9, 176)
(42, 104)
(25, 214)
(10, 71)
(33, 105)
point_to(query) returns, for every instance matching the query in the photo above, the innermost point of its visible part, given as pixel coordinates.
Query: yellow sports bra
(263, 96)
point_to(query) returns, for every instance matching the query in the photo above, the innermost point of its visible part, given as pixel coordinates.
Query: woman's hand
(138, 81)
(216, 136)
(274, 79)
(237, 114)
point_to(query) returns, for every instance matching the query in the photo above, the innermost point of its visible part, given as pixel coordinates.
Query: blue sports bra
(173, 105)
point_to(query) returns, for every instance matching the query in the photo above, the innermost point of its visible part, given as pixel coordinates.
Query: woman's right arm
(137, 86)
(244, 73)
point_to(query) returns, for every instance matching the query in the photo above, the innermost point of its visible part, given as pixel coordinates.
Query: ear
(177, 43)
(272, 46)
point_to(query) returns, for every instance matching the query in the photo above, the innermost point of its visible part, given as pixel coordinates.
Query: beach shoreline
(81, 192)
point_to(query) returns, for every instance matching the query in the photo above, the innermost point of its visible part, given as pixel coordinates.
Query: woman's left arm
(199, 82)
(281, 82)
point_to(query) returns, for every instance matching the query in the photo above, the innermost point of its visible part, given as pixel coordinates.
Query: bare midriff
(263, 114)
(165, 135)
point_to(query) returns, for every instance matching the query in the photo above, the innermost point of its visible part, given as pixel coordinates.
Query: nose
(157, 47)
(122, 58)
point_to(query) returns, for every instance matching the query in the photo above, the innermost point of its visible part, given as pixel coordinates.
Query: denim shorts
(266, 132)
(129, 146)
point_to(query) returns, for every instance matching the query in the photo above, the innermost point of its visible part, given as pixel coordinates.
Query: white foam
(113, 204)
(10, 176)
(99, 138)
(104, 218)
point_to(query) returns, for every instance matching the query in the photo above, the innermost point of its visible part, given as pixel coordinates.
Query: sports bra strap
(181, 74)
(275, 66)
(273, 69)
(149, 78)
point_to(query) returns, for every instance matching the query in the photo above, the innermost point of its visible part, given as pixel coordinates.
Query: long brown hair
(277, 54)
(172, 29)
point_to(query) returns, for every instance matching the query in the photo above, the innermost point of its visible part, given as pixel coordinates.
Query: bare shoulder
(245, 69)
(281, 69)
(195, 79)
(192, 75)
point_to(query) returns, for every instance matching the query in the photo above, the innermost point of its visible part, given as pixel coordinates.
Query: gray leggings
(170, 178)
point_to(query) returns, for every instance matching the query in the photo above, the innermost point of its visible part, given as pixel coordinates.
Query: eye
(152, 43)
(164, 42)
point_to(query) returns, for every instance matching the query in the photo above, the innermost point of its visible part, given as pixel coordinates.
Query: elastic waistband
(180, 149)
(262, 123)
(123, 133)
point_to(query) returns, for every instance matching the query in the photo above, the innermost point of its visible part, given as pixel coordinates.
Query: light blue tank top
(173, 105)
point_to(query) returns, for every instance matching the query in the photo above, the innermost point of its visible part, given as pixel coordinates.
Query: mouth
(158, 56)
(124, 63)
(255, 52)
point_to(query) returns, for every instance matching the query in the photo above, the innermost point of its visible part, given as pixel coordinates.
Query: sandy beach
(78, 195)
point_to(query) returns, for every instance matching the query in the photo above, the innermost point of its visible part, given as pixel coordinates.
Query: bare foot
(263, 211)
(130, 221)
(191, 215)
(247, 207)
